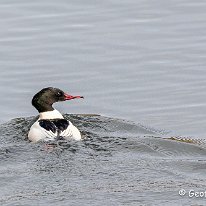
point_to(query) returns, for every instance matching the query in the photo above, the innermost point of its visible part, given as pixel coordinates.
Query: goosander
(51, 125)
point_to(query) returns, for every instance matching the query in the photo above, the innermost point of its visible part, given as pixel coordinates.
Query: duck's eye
(59, 94)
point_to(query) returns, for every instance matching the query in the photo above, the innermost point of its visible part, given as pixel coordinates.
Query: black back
(54, 125)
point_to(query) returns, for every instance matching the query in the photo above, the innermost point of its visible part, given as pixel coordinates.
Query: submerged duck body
(51, 125)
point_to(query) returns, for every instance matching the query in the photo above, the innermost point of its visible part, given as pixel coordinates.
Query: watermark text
(192, 193)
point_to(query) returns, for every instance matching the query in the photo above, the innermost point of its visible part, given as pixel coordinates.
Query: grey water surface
(140, 65)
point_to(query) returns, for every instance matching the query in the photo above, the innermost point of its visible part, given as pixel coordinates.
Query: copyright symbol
(182, 192)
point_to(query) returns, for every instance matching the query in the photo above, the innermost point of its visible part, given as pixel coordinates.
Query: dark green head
(45, 98)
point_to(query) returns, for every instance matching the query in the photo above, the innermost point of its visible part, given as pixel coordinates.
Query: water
(142, 61)
(117, 162)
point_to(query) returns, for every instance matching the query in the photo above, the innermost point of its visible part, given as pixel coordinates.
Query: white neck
(51, 115)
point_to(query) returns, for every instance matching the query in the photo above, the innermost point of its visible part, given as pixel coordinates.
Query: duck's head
(45, 98)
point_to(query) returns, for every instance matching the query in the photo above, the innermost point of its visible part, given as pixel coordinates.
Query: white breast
(51, 115)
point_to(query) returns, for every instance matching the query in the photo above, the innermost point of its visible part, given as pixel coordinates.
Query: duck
(51, 125)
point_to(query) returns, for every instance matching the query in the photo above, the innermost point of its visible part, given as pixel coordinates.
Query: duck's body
(51, 125)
